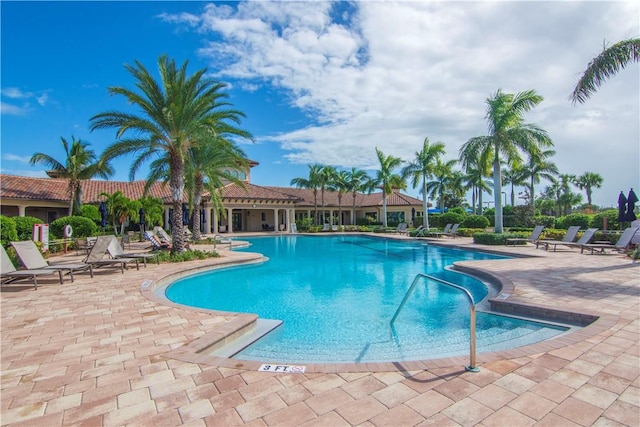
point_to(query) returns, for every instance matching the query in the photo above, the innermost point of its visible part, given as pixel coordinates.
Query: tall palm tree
(312, 182)
(514, 176)
(170, 112)
(587, 182)
(325, 176)
(443, 175)
(80, 163)
(477, 169)
(339, 184)
(421, 169)
(539, 166)
(508, 136)
(120, 208)
(567, 197)
(358, 181)
(611, 60)
(387, 179)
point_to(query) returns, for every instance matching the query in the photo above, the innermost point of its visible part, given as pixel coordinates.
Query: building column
(287, 220)
(214, 222)
(22, 210)
(207, 219)
(275, 219)
(230, 220)
(166, 218)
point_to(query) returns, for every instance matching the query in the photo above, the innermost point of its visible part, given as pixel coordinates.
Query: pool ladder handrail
(472, 314)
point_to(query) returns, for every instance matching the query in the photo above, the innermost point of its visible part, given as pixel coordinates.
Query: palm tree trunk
(176, 185)
(425, 205)
(197, 199)
(353, 210)
(384, 207)
(479, 201)
(497, 194)
(340, 209)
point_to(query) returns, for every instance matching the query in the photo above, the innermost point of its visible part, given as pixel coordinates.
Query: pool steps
(260, 328)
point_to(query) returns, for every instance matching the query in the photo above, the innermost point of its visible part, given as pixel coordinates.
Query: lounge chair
(9, 273)
(155, 241)
(163, 235)
(401, 228)
(569, 237)
(99, 250)
(32, 259)
(419, 231)
(453, 232)
(435, 233)
(586, 238)
(621, 245)
(115, 251)
(535, 235)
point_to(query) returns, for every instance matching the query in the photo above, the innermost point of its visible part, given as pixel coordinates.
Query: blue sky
(329, 82)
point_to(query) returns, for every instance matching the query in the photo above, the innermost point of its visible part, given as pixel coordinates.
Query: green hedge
(475, 221)
(496, 238)
(564, 222)
(82, 227)
(8, 231)
(24, 226)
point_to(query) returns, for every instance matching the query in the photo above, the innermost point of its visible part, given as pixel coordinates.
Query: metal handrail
(472, 314)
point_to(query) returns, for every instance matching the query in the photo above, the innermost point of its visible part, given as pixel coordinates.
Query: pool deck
(107, 352)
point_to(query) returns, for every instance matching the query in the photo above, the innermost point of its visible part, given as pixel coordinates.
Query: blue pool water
(337, 294)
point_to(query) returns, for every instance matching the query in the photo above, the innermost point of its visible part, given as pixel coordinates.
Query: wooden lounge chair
(535, 235)
(96, 257)
(9, 273)
(32, 259)
(621, 245)
(569, 237)
(115, 251)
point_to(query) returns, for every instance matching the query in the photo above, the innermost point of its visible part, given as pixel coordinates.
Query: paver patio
(101, 352)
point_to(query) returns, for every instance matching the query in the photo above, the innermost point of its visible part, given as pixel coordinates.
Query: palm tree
(325, 179)
(587, 182)
(312, 183)
(340, 184)
(421, 169)
(514, 176)
(119, 208)
(508, 135)
(606, 64)
(387, 179)
(80, 163)
(171, 112)
(567, 197)
(477, 169)
(538, 166)
(443, 175)
(358, 181)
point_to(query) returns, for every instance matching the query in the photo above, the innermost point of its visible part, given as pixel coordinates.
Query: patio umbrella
(622, 207)
(141, 221)
(103, 214)
(631, 205)
(185, 214)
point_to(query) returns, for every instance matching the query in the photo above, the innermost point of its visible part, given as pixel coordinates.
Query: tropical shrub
(24, 226)
(458, 209)
(82, 227)
(469, 232)
(612, 220)
(418, 221)
(546, 220)
(523, 216)
(496, 238)
(564, 222)
(8, 232)
(451, 217)
(91, 212)
(475, 221)
(189, 255)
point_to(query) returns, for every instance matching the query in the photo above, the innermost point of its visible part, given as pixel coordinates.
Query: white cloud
(16, 158)
(387, 74)
(12, 110)
(16, 94)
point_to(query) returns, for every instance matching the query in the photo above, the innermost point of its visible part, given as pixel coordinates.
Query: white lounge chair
(620, 246)
(535, 235)
(32, 259)
(96, 257)
(569, 237)
(115, 251)
(9, 273)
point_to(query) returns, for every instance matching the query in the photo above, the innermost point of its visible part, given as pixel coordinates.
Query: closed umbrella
(185, 214)
(103, 214)
(631, 206)
(141, 221)
(622, 207)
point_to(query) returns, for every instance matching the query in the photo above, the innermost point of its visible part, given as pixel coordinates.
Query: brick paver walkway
(99, 352)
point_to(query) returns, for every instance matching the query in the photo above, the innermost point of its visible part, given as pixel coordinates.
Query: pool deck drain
(95, 352)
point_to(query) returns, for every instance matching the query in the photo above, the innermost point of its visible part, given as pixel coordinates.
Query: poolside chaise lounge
(453, 231)
(419, 231)
(96, 257)
(569, 237)
(623, 243)
(162, 235)
(401, 228)
(586, 238)
(155, 241)
(435, 233)
(9, 273)
(32, 259)
(115, 251)
(535, 235)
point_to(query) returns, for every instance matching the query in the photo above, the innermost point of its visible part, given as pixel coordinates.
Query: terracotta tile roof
(20, 187)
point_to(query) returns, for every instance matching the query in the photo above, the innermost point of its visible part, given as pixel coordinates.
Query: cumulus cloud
(389, 74)
(18, 95)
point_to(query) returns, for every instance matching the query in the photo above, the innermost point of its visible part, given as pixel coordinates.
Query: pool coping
(503, 302)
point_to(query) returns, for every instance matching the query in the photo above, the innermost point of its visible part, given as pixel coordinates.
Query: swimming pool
(337, 294)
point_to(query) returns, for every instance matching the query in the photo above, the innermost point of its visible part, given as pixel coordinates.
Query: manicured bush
(8, 232)
(469, 232)
(523, 215)
(92, 212)
(612, 220)
(451, 217)
(546, 220)
(82, 227)
(24, 226)
(496, 238)
(564, 222)
(475, 221)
